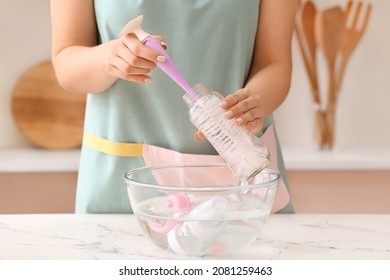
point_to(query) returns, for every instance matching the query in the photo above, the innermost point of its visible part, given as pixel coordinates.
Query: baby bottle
(243, 152)
(203, 225)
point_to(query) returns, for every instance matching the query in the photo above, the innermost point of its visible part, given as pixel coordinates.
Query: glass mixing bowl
(199, 210)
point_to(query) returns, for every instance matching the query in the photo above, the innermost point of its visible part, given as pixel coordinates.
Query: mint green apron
(211, 42)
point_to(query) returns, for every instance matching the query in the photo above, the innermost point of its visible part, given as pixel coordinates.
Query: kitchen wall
(25, 40)
(363, 114)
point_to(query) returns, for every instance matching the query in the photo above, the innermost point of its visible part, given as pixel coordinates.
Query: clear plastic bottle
(243, 152)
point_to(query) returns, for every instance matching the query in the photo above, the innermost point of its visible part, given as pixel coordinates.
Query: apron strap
(112, 148)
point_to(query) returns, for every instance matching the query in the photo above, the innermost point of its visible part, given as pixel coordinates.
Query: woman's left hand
(245, 108)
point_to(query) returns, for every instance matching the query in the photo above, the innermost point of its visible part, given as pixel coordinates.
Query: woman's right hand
(131, 60)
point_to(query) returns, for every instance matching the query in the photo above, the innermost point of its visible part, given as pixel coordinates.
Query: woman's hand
(270, 74)
(245, 108)
(131, 60)
(85, 65)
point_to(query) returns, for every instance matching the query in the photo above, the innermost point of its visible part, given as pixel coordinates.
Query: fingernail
(228, 114)
(196, 136)
(148, 80)
(160, 58)
(239, 121)
(164, 45)
(223, 104)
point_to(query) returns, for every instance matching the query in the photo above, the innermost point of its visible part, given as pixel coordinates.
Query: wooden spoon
(304, 30)
(329, 30)
(308, 16)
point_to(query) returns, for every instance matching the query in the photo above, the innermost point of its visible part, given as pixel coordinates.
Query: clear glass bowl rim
(127, 178)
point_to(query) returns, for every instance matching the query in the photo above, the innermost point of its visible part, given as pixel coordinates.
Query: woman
(241, 49)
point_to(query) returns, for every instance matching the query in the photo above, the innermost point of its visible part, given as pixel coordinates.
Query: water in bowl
(233, 224)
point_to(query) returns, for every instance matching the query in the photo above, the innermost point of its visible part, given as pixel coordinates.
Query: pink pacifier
(177, 203)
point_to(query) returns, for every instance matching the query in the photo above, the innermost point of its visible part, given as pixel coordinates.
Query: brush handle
(168, 66)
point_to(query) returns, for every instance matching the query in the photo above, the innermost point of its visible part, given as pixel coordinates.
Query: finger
(234, 98)
(133, 60)
(249, 116)
(126, 68)
(239, 102)
(255, 125)
(247, 106)
(244, 107)
(112, 70)
(199, 135)
(140, 50)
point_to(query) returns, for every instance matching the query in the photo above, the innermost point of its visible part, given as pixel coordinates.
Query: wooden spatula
(329, 30)
(307, 21)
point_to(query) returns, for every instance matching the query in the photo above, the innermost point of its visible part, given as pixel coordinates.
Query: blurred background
(352, 177)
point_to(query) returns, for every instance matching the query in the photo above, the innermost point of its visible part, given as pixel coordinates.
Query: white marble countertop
(118, 237)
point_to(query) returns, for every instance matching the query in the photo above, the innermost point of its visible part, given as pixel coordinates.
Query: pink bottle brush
(134, 26)
(242, 151)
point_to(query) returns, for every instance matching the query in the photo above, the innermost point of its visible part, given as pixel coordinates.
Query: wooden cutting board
(46, 114)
